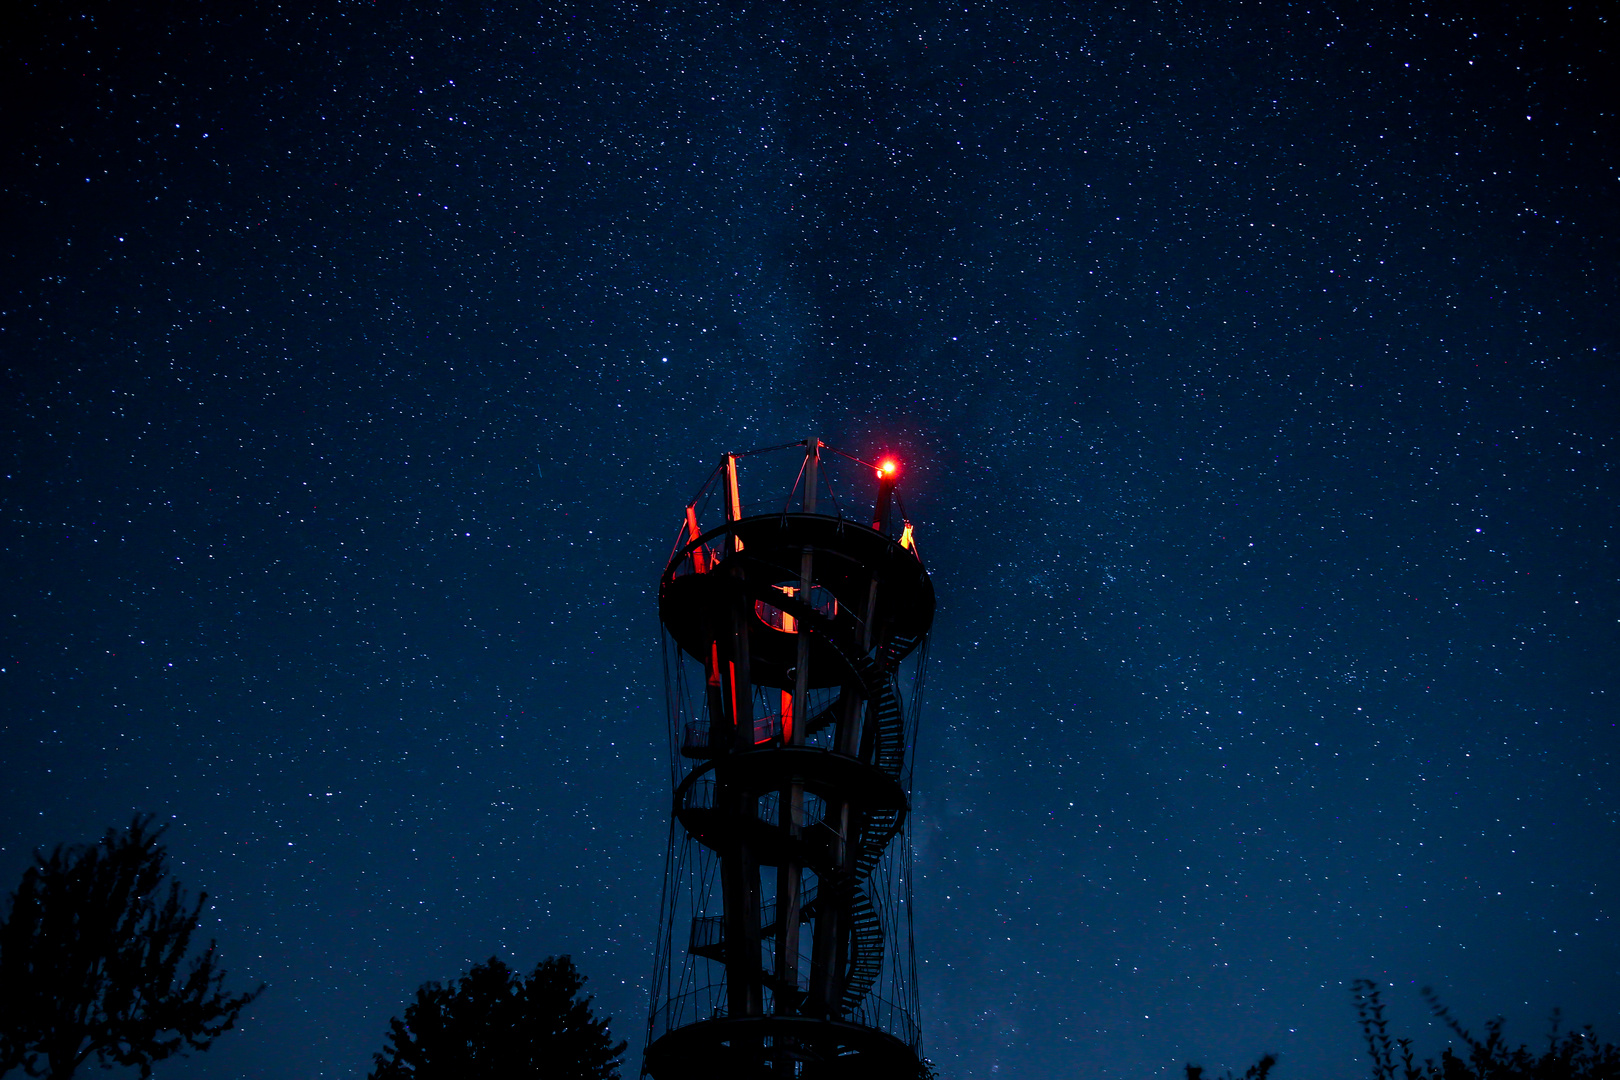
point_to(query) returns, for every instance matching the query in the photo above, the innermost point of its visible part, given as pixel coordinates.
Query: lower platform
(778, 1048)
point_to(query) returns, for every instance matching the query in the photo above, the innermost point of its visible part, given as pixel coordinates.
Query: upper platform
(866, 588)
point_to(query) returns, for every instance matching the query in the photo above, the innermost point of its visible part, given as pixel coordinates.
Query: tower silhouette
(795, 640)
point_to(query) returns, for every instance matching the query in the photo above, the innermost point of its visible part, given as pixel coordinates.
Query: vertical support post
(812, 469)
(801, 680)
(700, 563)
(739, 880)
(733, 501)
(790, 874)
(739, 870)
(720, 729)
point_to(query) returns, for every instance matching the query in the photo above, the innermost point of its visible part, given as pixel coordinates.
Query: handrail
(875, 1011)
(683, 553)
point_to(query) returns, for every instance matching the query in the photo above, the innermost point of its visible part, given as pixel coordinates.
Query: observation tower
(795, 637)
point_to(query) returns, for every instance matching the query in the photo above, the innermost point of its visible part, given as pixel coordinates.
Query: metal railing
(697, 742)
(700, 795)
(708, 1002)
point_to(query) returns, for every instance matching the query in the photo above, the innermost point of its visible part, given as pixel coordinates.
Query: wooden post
(790, 873)
(739, 871)
(733, 501)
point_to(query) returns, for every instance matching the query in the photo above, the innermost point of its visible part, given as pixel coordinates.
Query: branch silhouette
(93, 962)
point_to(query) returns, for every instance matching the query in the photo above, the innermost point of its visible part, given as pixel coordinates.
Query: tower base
(780, 1047)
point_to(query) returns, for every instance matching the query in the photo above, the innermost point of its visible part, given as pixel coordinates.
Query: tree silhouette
(90, 962)
(1576, 1055)
(494, 1023)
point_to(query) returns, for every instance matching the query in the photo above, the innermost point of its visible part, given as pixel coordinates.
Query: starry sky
(1254, 371)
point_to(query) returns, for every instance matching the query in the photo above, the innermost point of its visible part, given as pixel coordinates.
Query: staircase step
(866, 951)
(825, 719)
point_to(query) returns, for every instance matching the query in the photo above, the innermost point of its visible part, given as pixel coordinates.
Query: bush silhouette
(1258, 1071)
(1570, 1055)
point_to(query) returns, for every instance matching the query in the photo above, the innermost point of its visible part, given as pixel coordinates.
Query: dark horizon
(1253, 370)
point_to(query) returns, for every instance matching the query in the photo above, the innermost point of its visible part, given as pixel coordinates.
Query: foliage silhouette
(1574, 1055)
(1577, 1055)
(1258, 1071)
(494, 1023)
(90, 962)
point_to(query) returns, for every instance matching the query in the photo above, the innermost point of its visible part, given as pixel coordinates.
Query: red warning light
(889, 467)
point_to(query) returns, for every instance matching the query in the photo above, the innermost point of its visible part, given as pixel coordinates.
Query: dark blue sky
(1255, 370)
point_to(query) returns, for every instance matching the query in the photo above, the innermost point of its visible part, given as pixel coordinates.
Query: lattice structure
(795, 640)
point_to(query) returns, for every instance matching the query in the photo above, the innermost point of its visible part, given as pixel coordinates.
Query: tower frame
(795, 647)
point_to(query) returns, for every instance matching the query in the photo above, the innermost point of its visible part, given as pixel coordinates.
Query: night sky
(1254, 371)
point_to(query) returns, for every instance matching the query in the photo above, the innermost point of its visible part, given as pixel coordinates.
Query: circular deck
(698, 608)
(869, 791)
